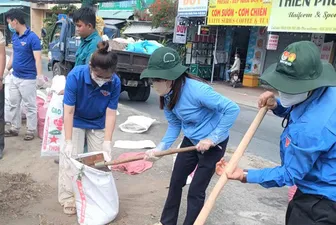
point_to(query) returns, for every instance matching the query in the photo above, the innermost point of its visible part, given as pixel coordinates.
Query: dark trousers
(2, 119)
(306, 209)
(184, 165)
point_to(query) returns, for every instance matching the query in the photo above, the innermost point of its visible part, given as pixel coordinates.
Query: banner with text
(239, 12)
(306, 16)
(192, 8)
(180, 32)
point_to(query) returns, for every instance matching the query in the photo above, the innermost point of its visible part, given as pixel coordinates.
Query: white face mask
(100, 82)
(162, 87)
(288, 100)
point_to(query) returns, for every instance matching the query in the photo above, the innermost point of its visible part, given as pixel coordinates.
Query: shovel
(97, 161)
(230, 167)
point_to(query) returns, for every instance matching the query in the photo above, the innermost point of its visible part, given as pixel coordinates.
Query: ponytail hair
(104, 59)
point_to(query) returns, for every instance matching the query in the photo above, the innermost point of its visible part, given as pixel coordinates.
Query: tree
(163, 13)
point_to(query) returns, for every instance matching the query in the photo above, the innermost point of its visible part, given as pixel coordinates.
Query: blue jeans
(227, 75)
(185, 164)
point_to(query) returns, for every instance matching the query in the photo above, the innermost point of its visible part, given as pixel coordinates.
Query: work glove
(204, 145)
(150, 155)
(41, 81)
(107, 147)
(68, 148)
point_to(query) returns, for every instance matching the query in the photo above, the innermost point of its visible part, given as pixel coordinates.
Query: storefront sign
(203, 30)
(256, 51)
(272, 42)
(119, 5)
(239, 12)
(180, 32)
(192, 8)
(127, 5)
(306, 16)
(326, 51)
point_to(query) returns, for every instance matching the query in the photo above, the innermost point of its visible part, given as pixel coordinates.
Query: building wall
(36, 17)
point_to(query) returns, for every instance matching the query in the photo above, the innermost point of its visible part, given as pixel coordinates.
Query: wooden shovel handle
(231, 166)
(157, 154)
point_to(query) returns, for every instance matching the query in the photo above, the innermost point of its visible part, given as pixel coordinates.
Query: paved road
(264, 144)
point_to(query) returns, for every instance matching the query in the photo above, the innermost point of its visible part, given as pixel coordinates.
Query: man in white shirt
(235, 67)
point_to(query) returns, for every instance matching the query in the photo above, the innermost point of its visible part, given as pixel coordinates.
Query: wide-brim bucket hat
(300, 70)
(164, 63)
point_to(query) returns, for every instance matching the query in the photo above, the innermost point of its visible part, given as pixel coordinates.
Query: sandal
(69, 208)
(11, 133)
(29, 136)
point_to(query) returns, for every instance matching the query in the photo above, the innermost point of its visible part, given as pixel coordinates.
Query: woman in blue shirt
(205, 118)
(90, 102)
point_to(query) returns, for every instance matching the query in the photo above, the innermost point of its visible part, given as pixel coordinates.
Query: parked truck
(62, 56)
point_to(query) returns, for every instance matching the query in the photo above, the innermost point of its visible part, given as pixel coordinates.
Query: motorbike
(234, 79)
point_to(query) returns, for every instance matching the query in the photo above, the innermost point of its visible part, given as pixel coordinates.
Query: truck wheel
(57, 69)
(140, 94)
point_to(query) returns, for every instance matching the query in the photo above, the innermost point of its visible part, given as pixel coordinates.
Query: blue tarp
(145, 47)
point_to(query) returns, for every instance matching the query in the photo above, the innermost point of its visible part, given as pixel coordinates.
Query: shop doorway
(241, 37)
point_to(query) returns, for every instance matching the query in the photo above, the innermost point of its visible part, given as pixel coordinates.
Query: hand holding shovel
(230, 167)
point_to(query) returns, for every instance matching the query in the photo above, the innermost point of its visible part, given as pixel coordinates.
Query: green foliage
(123, 29)
(181, 49)
(163, 13)
(49, 24)
(163, 42)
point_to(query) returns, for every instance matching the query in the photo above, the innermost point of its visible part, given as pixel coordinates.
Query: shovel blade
(92, 159)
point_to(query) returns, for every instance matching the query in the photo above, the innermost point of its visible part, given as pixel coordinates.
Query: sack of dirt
(53, 139)
(118, 44)
(136, 124)
(41, 112)
(58, 84)
(97, 200)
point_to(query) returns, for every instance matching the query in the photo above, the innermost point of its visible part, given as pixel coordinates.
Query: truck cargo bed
(130, 62)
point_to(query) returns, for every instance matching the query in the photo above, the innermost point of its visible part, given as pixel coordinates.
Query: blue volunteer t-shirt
(90, 100)
(23, 59)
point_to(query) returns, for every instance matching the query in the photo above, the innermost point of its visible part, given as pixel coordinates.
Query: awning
(115, 14)
(15, 3)
(4, 9)
(145, 28)
(113, 22)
